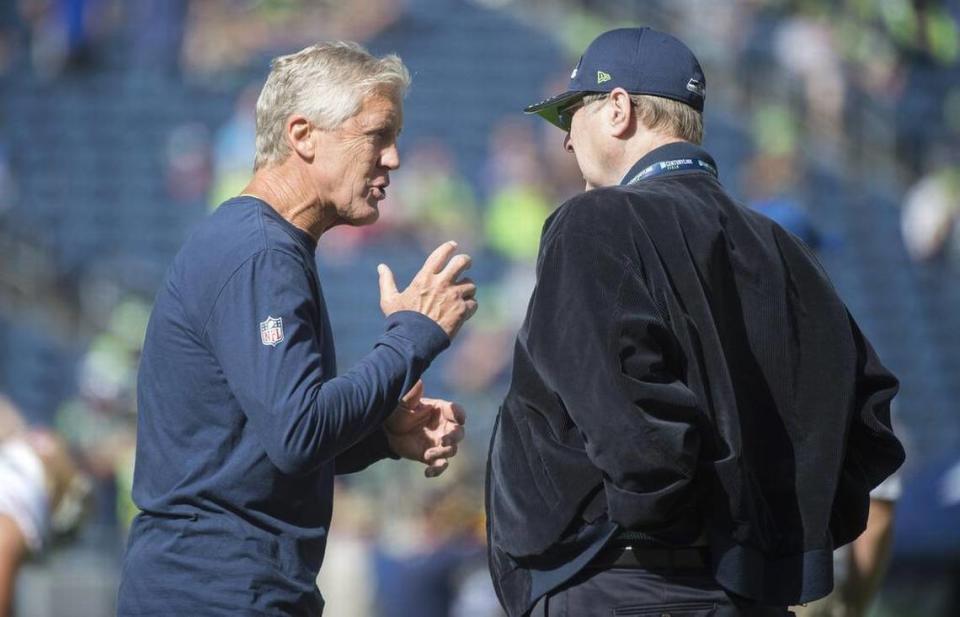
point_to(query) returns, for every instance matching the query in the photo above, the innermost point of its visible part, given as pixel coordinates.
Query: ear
(299, 133)
(620, 113)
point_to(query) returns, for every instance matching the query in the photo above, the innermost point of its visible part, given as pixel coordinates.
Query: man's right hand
(434, 291)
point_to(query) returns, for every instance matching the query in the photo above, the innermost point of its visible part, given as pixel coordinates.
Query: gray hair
(662, 114)
(326, 83)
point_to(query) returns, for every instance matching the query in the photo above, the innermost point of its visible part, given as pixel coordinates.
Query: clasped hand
(426, 430)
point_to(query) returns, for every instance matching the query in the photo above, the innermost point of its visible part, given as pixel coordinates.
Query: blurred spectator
(931, 212)
(519, 203)
(518, 207)
(772, 179)
(101, 420)
(66, 34)
(7, 185)
(233, 148)
(420, 575)
(805, 48)
(770, 185)
(346, 578)
(225, 35)
(188, 162)
(433, 202)
(156, 31)
(43, 496)
(773, 69)
(513, 157)
(476, 596)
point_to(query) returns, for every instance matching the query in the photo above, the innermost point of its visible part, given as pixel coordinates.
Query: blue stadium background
(109, 154)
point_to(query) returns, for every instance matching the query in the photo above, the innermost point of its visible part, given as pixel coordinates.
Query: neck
(637, 148)
(287, 190)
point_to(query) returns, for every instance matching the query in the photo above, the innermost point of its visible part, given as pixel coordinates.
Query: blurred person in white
(42, 496)
(930, 221)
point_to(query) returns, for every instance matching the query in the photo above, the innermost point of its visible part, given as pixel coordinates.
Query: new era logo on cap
(602, 77)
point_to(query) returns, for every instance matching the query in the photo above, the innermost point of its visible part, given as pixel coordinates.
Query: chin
(368, 217)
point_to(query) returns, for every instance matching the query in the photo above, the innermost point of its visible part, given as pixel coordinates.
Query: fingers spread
(456, 266)
(438, 257)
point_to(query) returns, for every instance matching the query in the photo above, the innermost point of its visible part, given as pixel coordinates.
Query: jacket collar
(670, 152)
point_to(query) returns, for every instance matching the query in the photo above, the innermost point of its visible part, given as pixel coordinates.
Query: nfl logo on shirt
(271, 331)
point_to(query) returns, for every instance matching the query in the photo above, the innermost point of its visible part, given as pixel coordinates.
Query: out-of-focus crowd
(870, 90)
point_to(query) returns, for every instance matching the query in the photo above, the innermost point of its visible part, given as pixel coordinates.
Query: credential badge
(271, 331)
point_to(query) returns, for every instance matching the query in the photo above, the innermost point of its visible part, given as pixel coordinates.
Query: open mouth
(379, 190)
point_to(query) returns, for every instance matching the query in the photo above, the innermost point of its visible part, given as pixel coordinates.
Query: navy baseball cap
(639, 60)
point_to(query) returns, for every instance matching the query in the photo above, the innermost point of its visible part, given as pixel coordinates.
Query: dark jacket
(685, 367)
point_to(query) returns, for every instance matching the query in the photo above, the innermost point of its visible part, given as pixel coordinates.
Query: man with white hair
(243, 422)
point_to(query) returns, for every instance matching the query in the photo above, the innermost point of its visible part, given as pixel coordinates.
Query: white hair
(326, 83)
(662, 114)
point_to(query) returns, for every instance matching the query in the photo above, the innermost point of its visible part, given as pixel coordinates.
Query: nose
(390, 157)
(566, 143)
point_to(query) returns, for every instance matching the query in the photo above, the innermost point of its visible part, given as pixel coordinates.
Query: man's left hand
(426, 430)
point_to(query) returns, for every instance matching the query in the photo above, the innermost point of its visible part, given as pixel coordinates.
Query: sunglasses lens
(565, 113)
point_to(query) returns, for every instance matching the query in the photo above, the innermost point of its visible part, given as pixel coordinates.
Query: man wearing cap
(695, 421)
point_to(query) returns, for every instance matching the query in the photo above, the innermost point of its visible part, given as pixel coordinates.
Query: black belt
(692, 558)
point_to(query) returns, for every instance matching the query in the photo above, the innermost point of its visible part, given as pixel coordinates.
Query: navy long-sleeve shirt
(243, 422)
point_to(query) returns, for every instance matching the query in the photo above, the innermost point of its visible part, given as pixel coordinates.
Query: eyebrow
(385, 121)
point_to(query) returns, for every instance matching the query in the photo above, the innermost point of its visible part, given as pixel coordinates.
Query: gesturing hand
(434, 291)
(426, 430)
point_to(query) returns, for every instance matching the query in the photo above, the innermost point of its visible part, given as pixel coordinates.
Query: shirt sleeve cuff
(373, 448)
(423, 334)
(379, 446)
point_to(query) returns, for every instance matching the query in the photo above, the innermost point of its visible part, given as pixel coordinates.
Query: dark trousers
(647, 593)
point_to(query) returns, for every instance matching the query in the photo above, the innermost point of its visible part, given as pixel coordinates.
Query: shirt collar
(668, 152)
(303, 238)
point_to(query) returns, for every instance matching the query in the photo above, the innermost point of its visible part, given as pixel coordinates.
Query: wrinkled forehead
(382, 108)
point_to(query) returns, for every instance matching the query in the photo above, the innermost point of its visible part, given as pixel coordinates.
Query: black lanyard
(675, 165)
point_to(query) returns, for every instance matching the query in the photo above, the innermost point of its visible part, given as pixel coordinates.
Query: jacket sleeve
(873, 451)
(599, 342)
(303, 420)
